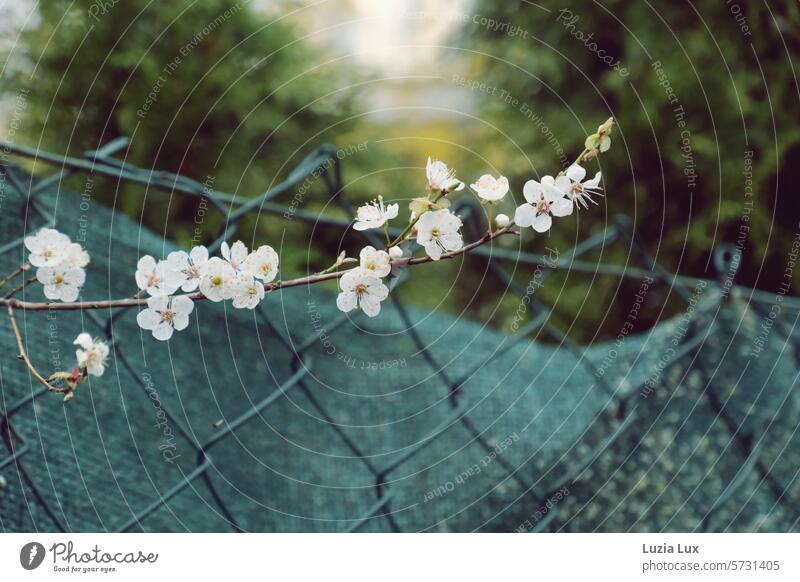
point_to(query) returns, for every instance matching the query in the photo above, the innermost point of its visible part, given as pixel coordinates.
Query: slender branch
(24, 267)
(488, 237)
(19, 288)
(24, 357)
(268, 288)
(413, 223)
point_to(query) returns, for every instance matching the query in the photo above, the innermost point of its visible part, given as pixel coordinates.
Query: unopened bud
(396, 253)
(502, 221)
(606, 127)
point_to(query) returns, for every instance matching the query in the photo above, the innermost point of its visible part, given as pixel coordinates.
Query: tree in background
(214, 90)
(701, 93)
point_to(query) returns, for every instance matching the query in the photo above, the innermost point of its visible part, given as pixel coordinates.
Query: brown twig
(268, 287)
(24, 357)
(19, 288)
(24, 267)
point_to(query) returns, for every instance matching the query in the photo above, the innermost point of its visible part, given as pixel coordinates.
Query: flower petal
(532, 190)
(346, 301)
(69, 293)
(199, 255)
(594, 182)
(434, 251)
(542, 222)
(148, 319)
(576, 173)
(182, 305)
(163, 331)
(524, 215)
(563, 184)
(561, 207)
(370, 305)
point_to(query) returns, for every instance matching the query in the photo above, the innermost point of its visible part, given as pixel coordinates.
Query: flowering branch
(268, 288)
(24, 357)
(244, 278)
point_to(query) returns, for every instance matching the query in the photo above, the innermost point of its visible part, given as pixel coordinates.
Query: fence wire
(625, 405)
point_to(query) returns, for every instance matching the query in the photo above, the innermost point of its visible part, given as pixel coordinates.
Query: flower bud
(502, 221)
(606, 127)
(592, 142)
(396, 253)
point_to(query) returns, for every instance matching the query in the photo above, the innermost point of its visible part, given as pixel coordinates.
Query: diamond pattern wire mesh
(620, 400)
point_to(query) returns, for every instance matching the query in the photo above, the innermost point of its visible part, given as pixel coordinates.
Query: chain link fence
(300, 418)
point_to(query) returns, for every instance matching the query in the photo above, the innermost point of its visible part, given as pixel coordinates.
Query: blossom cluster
(237, 276)
(438, 230)
(59, 264)
(92, 355)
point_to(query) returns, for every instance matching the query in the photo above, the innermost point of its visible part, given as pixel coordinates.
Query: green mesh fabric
(297, 418)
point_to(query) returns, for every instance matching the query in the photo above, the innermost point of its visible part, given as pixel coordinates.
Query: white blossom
(502, 221)
(92, 355)
(190, 266)
(246, 291)
(61, 282)
(437, 231)
(490, 188)
(545, 200)
(235, 254)
(396, 252)
(157, 278)
(360, 288)
(48, 247)
(441, 178)
(76, 256)
(216, 282)
(576, 189)
(262, 263)
(378, 262)
(375, 214)
(165, 314)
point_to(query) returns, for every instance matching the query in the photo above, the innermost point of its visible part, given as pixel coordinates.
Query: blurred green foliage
(234, 98)
(723, 63)
(214, 90)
